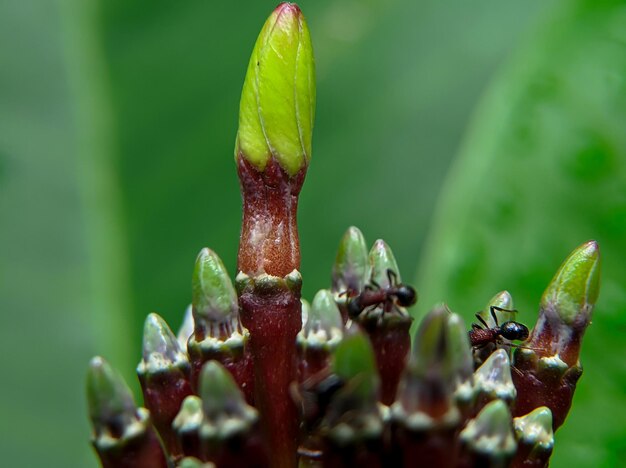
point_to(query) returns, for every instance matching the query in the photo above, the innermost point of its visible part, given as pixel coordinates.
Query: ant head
(514, 331)
(406, 295)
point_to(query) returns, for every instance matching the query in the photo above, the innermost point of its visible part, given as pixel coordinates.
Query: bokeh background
(483, 140)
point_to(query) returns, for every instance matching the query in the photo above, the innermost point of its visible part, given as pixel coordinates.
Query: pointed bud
(382, 260)
(164, 374)
(324, 327)
(535, 436)
(186, 328)
(123, 435)
(214, 297)
(567, 305)
(503, 300)
(493, 380)
(277, 106)
(353, 414)
(226, 413)
(425, 393)
(574, 289)
(192, 462)
(161, 349)
(187, 424)
(490, 435)
(354, 356)
(112, 408)
(460, 353)
(351, 268)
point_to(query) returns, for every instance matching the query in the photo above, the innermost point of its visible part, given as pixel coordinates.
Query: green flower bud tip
(189, 417)
(186, 328)
(381, 260)
(324, 326)
(535, 429)
(431, 348)
(493, 378)
(192, 462)
(110, 401)
(354, 356)
(575, 287)
(161, 350)
(491, 433)
(213, 295)
(224, 406)
(459, 348)
(277, 106)
(351, 268)
(502, 300)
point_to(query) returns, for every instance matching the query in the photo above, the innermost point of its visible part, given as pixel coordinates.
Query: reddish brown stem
(269, 235)
(163, 395)
(272, 315)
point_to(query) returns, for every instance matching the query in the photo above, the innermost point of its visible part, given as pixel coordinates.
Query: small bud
(425, 394)
(354, 356)
(123, 434)
(535, 437)
(382, 260)
(192, 462)
(503, 300)
(460, 353)
(277, 106)
(353, 415)
(111, 405)
(164, 374)
(214, 297)
(351, 269)
(161, 349)
(574, 289)
(324, 327)
(493, 380)
(489, 436)
(226, 413)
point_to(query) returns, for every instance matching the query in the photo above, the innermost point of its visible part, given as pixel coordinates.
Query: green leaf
(543, 169)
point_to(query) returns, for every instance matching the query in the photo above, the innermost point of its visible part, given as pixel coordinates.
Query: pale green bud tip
(213, 294)
(382, 260)
(459, 348)
(192, 462)
(502, 300)
(491, 432)
(354, 356)
(277, 106)
(431, 339)
(218, 390)
(161, 349)
(535, 429)
(351, 267)
(108, 396)
(323, 326)
(575, 287)
(493, 378)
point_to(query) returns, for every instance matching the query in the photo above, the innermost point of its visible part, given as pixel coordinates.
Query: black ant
(396, 294)
(480, 337)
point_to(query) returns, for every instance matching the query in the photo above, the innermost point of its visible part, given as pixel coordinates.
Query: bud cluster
(256, 376)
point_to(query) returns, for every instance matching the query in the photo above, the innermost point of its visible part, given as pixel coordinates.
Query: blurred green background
(117, 122)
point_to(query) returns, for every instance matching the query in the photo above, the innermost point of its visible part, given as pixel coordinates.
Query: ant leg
(475, 326)
(482, 320)
(493, 309)
(374, 283)
(392, 277)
